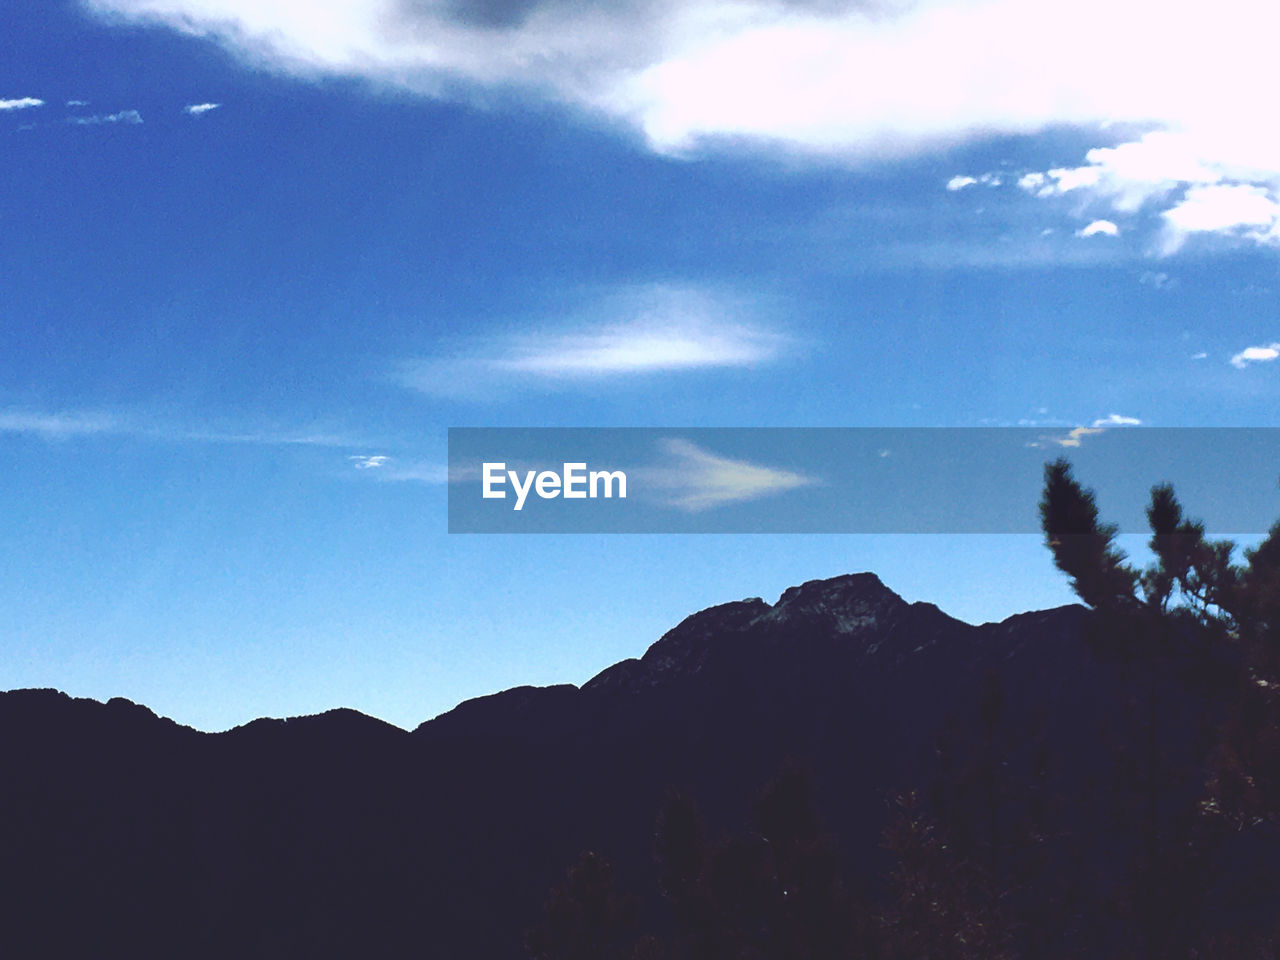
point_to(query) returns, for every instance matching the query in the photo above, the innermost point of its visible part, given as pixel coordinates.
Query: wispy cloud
(1263, 354)
(22, 103)
(123, 116)
(961, 181)
(77, 103)
(199, 109)
(647, 330)
(1074, 437)
(57, 425)
(421, 472)
(694, 479)
(642, 347)
(382, 467)
(65, 425)
(270, 438)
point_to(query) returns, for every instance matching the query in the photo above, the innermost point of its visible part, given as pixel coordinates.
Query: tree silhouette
(774, 891)
(943, 905)
(1192, 577)
(585, 918)
(1083, 548)
(1193, 617)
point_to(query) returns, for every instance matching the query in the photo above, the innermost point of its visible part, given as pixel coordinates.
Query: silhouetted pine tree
(1177, 625)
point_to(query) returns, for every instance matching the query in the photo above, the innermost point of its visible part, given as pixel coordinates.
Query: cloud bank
(847, 75)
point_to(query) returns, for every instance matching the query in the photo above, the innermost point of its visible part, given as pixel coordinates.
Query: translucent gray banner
(846, 480)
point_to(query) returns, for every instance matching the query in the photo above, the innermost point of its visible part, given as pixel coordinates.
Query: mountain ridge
(298, 837)
(805, 599)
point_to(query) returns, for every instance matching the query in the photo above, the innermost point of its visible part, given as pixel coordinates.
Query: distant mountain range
(127, 835)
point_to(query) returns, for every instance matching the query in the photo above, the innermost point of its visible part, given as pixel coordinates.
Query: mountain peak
(847, 586)
(836, 606)
(842, 604)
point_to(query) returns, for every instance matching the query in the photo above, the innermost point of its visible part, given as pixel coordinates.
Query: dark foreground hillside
(1038, 753)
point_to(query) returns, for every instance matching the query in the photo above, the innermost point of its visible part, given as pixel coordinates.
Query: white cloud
(22, 103)
(1058, 180)
(1219, 177)
(960, 181)
(1246, 210)
(837, 78)
(1104, 227)
(647, 330)
(694, 479)
(198, 109)
(637, 348)
(77, 103)
(374, 462)
(124, 116)
(1250, 355)
(1116, 420)
(1035, 183)
(1199, 356)
(1127, 175)
(393, 470)
(384, 468)
(1076, 435)
(820, 74)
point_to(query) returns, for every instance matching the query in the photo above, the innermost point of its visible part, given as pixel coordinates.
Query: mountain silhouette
(338, 835)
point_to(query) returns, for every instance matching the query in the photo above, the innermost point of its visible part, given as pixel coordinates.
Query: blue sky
(257, 257)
